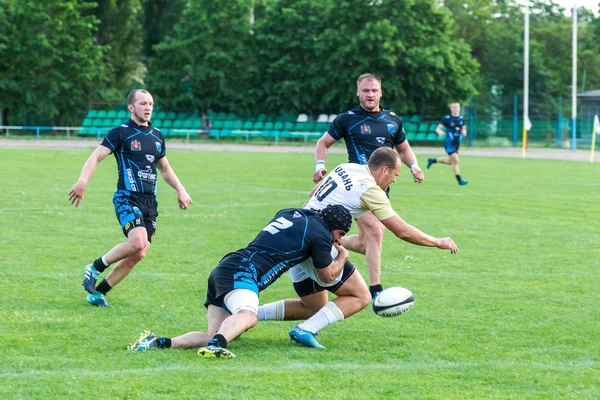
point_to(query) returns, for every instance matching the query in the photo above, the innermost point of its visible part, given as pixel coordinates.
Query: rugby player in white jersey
(359, 188)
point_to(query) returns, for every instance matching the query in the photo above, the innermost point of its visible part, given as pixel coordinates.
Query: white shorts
(241, 299)
(306, 270)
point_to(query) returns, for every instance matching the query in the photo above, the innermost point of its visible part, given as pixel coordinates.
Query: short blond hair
(383, 156)
(367, 76)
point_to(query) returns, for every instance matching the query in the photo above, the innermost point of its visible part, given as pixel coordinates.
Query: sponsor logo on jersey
(136, 145)
(365, 129)
(150, 157)
(452, 124)
(147, 174)
(159, 147)
(127, 225)
(380, 139)
(391, 128)
(345, 178)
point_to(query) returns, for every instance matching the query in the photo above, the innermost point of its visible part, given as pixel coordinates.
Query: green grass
(515, 315)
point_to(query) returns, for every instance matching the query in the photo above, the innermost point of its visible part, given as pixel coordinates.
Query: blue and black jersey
(453, 127)
(291, 237)
(136, 149)
(365, 132)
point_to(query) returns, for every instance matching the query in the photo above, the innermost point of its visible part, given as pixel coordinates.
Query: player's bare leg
(369, 242)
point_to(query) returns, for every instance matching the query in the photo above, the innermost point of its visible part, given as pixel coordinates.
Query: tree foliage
(50, 66)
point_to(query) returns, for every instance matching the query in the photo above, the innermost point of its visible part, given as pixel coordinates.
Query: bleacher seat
(432, 136)
(268, 126)
(92, 114)
(259, 125)
(123, 114)
(160, 115)
(101, 114)
(331, 117)
(111, 114)
(302, 118)
(322, 118)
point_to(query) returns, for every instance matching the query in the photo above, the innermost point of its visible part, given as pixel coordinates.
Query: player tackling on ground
(359, 188)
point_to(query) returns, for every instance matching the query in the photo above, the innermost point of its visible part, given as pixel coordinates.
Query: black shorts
(309, 286)
(233, 272)
(136, 209)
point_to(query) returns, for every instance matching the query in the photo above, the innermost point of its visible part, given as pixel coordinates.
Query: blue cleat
(429, 162)
(215, 352)
(463, 182)
(90, 276)
(97, 299)
(374, 296)
(146, 341)
(304, 337)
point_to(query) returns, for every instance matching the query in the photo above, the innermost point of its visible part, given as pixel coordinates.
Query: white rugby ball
(393, 301)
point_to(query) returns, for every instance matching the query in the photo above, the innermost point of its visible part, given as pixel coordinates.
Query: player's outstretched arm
(183, 198)
(411, 234)
(78, 189)
(329, 273)
(321, 151)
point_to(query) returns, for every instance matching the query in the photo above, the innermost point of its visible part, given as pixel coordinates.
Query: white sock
(272, 311)
(106, 264)
(328, 315)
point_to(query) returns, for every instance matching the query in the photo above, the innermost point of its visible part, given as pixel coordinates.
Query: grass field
(515, 315)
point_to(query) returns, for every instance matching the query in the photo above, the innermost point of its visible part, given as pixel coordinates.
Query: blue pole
(559, 122)
(471, 108)
(37, 132)
(515, 120)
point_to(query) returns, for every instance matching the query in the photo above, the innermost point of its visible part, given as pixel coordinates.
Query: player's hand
(184, 199)
(319, 174)
(418, 175)
(76, 193)
(342, 252)
(447, 243)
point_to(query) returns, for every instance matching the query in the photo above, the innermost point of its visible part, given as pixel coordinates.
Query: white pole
(574, 81)
(526, 82)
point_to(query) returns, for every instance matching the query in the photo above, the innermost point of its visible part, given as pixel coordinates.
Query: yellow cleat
(215, 351)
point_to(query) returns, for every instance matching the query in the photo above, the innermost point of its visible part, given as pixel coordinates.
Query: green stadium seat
(111, 114)
(181, 116)
(101, 114)
(268, 126)
(92, 114)
(411, 136)
(415, 118)
(423, 128)
(196, 123)
(288, 126)
(166, 124)
(225, 133)
(218, 124)
(178, 124)
(248, 126)
(432, 127)
(410, 127)
(259, 126)
(300, 127)
(421, 137)
(432, 137)
(87, 122)
(211, 115)
(262, 118)
(231, 116)
(236, 124)
(157, 122)
(221, 116)
(278, 126)
(123, 114)
(160, 115)
(170, 115)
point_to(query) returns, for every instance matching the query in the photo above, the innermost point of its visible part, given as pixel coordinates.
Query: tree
(208, 62)
(50, 66)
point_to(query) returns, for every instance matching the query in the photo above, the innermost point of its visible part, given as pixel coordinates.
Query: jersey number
(327, 187)
(277, 225)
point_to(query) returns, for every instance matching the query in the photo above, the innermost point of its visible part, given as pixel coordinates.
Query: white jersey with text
(352, 186)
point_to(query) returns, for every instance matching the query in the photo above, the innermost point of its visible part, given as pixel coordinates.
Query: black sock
(458, 178)
(433, 160)
(163, 343)
(375, 288)
(103, 287)
(99, 265)
(218, 340)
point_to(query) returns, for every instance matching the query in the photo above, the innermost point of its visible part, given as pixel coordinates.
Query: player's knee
(312, 307)
(363, 298)
(138, 246)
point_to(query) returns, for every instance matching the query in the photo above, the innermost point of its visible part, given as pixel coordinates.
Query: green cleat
(215, 351)
(97, 299)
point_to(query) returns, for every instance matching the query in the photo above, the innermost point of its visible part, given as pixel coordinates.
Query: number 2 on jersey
(326, 187)
(277, 225)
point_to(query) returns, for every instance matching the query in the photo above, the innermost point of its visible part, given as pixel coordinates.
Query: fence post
(559, 123)
(37, 132)
(471, 111)
(515, 120)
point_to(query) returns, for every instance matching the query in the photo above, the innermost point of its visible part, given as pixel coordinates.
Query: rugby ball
(393, 301)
